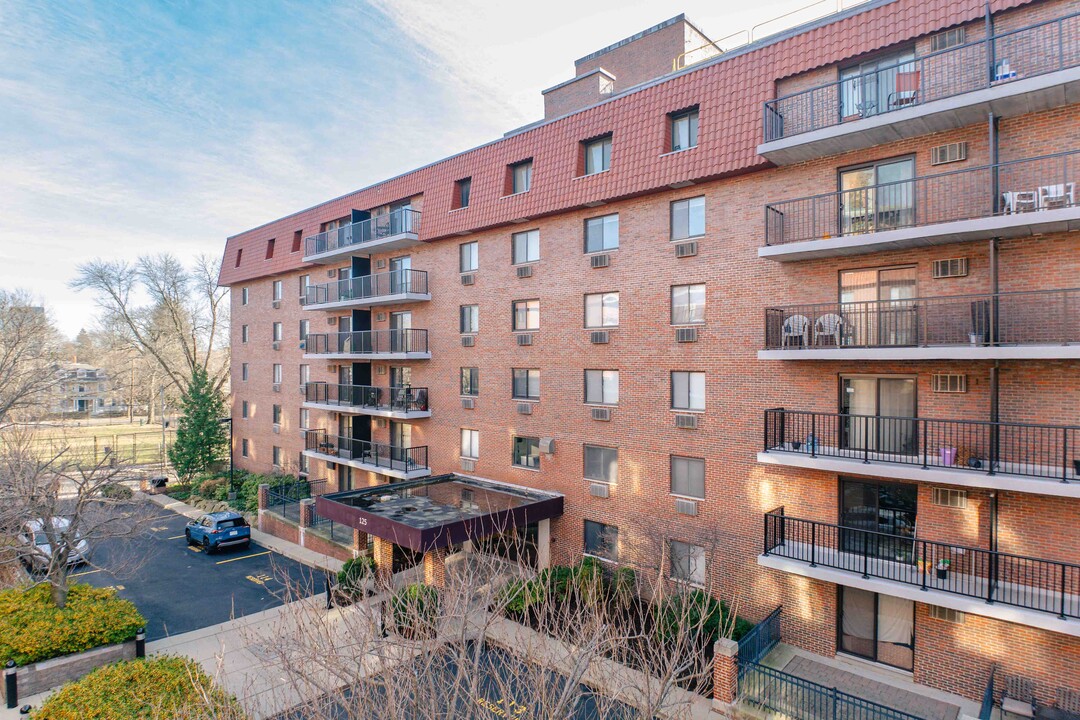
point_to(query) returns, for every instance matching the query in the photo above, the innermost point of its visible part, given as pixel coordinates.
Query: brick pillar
(307, 512)
(435, 567)
(726, 671)
(264, 500)
(384, 558)
(359, 542)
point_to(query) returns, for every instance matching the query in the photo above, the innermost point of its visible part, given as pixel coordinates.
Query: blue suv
(218, 530)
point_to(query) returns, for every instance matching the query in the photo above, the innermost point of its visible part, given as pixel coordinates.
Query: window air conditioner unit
(380, 369)
(468, 279)
(685, 507)
(600, 261)
(332, 368)
(525, 339)
(686, 335)
(277, 429)
(276, 387)
(276, 346)
(547, 446)
(276, 304)
(524, 408)
(380, 264)
(686, 422)
(468, 465)
(380, 423)
(468, 403)
(601, 414)
(599, 490)
(468, 340)
(685, 249)
(525, 271)
(599, 337)
(331, 320)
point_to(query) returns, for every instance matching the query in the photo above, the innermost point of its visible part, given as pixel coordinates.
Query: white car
(34, 548)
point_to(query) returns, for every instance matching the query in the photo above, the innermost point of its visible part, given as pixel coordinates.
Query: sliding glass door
(877, 627)
(879, 308)
(881, 412)
(877, 197)
(881, 517)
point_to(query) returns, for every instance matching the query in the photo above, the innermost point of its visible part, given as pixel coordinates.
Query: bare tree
(28, 354)
(71, 505)
(183, 326)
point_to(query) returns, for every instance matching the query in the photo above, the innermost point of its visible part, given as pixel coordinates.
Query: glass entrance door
(400, 442)
(401, 323)
(877, 627)
(877, 197)
(875, 512)
(400, 275)
(867, 88)
(878, 306)
(881, 412)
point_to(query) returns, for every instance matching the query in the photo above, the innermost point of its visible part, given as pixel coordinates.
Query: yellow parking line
(88, 572)
(222, 562)
(175, 537)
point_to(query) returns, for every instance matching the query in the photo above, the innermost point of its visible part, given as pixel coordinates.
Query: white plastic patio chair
(829, 325)
(1060, 195)
(796, 326)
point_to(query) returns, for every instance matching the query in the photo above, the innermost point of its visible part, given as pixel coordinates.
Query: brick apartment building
(801, 318)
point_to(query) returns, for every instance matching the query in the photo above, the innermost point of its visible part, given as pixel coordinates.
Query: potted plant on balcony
(942, 568)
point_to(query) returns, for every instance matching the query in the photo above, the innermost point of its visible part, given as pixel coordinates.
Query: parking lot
(179, 588)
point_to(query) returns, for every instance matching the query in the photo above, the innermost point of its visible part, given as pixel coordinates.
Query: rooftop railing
(395, 282)
(1046, 586)
(1044, 452)
(1025, 186)
(1027, 52)
(1041, 317)
(367, 342)
(382, 455)
(394, 399)
(397, 222)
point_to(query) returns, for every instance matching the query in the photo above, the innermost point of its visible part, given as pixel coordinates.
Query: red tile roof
(729, 91)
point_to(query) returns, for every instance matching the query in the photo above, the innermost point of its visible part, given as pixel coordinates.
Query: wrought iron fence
(393, 399)
(368, 342)
(1048, 452)
(395, 282)
(803, 699)
(986, 710)
(757, 643)
(1026, 52)
(1030, 185)
(284, 499)
(1031, 583)
(1042, 317)
(403, 220)
(333, 531)
(381, 455)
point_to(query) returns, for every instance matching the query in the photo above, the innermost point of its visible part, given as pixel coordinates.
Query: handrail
(368, 342)
(377, 227)
(383, 455)
(764, 636)
(396, 399)
(382, 284)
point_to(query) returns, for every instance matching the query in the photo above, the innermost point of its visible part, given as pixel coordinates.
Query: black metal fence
(1030, 185)
(367, 342)
(986, 710)
(996, 577)
(757, 643)
(333, 531)
(1048, 452)
(803, 699)
(284, 499)
(404, 220)
(395, 282)
(380, 455)
(1027, 52)
(1042, 317)
(392, 399)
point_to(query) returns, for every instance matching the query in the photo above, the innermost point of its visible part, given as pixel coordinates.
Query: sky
(133, 127)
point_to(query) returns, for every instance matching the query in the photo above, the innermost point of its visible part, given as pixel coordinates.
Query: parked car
(214, 531)
(36, 552)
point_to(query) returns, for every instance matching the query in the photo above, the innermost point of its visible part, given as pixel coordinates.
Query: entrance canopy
(439, 511)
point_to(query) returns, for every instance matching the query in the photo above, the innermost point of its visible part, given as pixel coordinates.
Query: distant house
(83, 389)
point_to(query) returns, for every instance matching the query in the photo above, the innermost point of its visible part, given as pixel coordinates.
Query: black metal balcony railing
(1042, 317)
(382, 455)
(1015, 55)
(395, 282)
(367, 342)
(996, 577)
(394, 399)
(1023, 186)
(403, 220)
(1048, 452)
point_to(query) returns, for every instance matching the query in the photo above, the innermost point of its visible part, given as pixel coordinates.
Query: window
(305, 325)
(526, 384)
(244, 447)
(601, 464)
(602, 310)
(297, 239)
(602, 387)
(463, 188)
(526, 314)
(684, 127)
(470, 381)
(277, 456)
(597, 155)
(239, 256)
(521, 177)
(688, 218)
(688, 390)
(687, 562)
(302, 464)
(277, 414)
(470, 318)
(470, 256)
(243, 372)
(244, 410)
(244, 294)
(527, 452)
(277, 373)
(688, 477)
(305, 374)
(602, 540)
(270, 248)
(277, 290)
(687, 304)
(526, 246)
(243, 333)
(305, 280)
(305, 418)
(602, 233)
(470, 444)
(277, 332)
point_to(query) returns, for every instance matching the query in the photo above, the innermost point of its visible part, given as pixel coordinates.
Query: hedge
(33, 629)
(162, 687)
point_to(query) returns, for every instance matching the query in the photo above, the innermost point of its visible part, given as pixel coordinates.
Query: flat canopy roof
(438, 511)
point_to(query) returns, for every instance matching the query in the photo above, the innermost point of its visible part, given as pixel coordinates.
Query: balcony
(1040, 459)
(1012, 199)
(1021, 71)
(405, 463)
(394, 231)
(388, 288)
(1003, 326)
(399, 403)
(408, 344)
(1014, 588)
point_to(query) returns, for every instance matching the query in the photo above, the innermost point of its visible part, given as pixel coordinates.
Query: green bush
(162, 687)
(414, 609)
(699, 610)
(354, 572)
(116, 491)
(33, 629)
(247, 496)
